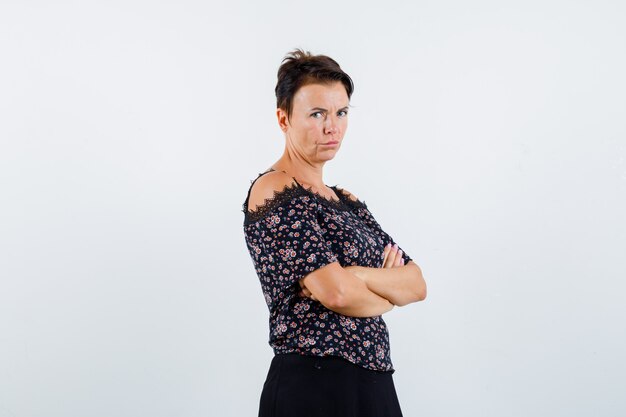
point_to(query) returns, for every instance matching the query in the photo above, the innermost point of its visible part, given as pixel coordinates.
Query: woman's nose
(331, 125)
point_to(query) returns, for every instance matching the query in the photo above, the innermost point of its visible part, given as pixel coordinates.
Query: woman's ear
(283, 120)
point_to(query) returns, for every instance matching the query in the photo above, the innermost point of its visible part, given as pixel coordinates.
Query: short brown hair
(300, 68)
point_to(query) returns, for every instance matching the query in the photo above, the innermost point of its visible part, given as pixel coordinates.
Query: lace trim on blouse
(280, 197)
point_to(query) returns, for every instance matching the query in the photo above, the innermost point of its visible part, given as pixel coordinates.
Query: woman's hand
(304, 292)
(392, 259)
(392, 256)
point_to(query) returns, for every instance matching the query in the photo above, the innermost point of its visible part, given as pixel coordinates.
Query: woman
(327, 269)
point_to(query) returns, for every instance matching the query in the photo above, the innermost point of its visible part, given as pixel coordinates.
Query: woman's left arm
(401, 285)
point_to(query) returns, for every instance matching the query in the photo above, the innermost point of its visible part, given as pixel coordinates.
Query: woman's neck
(305, 174)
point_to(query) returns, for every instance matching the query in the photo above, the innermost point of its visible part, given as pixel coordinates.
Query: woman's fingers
(392, 256)
(304, 292)
(398, 261)
(302, 288)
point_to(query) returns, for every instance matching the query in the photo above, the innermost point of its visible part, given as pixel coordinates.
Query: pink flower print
(275, 219)
(380, 353)
(287, 253)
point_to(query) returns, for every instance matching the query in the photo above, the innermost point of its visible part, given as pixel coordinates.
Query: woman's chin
(327, 155)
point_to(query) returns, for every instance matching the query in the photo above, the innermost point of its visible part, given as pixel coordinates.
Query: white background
(488, 138)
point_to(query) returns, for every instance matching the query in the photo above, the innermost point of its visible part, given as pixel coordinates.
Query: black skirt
(329, 386)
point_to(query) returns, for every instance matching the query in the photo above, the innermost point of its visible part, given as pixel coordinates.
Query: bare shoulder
(266, 187)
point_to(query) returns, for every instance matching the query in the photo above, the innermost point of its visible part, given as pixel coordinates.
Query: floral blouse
(298, 231)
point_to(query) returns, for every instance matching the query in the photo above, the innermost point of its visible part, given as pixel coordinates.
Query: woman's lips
(332, 142)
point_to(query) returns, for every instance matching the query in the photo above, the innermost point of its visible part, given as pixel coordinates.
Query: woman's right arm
(343, 292)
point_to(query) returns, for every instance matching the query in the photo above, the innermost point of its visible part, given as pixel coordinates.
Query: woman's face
(319, 120)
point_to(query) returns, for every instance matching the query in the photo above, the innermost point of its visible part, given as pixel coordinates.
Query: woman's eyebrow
(323, 109)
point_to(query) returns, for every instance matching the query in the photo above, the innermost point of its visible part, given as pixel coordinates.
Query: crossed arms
(359, 291)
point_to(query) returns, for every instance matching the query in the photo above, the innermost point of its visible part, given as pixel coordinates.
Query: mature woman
(328, 271)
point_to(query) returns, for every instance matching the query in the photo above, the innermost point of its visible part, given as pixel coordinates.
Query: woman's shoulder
(267, 186)
(269, 191)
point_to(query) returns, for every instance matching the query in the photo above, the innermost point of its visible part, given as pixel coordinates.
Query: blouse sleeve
(293, 242)
(368, 218)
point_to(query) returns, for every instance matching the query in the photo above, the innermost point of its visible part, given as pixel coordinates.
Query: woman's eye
(343, 113)
(316, 113)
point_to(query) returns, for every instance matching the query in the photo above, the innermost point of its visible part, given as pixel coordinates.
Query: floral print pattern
(296, 232)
